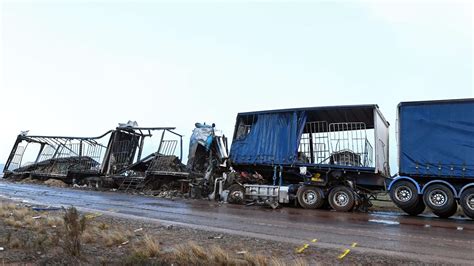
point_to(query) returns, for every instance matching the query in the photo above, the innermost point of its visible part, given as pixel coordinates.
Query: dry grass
(71, 231)
(103, 226)
(276, 262)
(257, 260)
(20, 213)
(15, 243)
(113, 237)
(152, 248)
(194, 254)
(54, 221)
(90, 235)
(74, 226)
(221, 257)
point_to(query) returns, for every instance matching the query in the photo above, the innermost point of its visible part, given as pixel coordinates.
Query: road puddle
(384, 222)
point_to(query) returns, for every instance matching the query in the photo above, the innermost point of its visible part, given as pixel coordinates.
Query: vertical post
(161, 141)
(281, 176)
(12, 153)
(80, 148)
(181, 148)
(140, 149)
(39, 153)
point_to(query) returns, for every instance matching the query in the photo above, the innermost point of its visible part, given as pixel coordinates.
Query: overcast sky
(80, 68)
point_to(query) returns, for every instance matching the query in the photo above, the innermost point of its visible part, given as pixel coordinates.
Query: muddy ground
(39, 238)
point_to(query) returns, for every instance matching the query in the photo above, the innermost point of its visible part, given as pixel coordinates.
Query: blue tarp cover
(273, 139)
(437, 135)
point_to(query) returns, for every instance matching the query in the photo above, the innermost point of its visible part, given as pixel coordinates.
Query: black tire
(404, 194)
(341, 199)
(440, 199)
(467, 202)
(448, 213)
(310, 197)
(236, 194)
(419, 208)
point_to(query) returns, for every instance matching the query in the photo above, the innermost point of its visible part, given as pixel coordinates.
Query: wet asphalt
(424, 238)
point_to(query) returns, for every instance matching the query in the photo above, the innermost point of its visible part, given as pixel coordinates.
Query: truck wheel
(440, 199)
(236, 194)
(404, 194)
(342, 199)
(447, 213)
(417, 209)
(467, 202)
(310, 197)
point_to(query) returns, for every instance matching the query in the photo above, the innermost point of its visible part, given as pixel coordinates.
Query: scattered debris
(55, 183)
(216, 237)
(138, 230)
(49, 208)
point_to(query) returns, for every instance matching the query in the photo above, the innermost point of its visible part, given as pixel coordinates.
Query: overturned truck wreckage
(207, 160)
(113, 159)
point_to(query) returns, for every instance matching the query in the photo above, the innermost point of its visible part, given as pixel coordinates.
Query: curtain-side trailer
(335, 154)
(436, 157)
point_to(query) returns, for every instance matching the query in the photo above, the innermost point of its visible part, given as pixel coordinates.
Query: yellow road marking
(344, 254)
(354, 244)
(314, 240)
(301, 249)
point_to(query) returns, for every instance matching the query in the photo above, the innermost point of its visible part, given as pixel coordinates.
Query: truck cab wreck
(312, 156)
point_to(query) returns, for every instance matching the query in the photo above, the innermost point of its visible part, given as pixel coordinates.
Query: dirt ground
(40, 238)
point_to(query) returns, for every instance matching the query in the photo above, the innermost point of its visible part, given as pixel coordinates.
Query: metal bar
(140, 148)
(181, 148)
(161, 140)
(12, 153)
(39, 153)
(80, 148)
(66, 137)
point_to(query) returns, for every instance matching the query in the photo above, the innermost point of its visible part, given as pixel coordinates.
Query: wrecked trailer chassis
(69, 157)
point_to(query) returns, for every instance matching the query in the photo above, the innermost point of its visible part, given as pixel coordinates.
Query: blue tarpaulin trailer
(436, 157)
(338, 153)
(353, 138)
(437, 138)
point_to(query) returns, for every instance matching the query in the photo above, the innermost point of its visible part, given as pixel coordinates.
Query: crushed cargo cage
(111, 154)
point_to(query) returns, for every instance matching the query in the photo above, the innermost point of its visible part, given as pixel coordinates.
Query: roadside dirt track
(425, 238)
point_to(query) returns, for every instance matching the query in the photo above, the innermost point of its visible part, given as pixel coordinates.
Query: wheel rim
(341, 199)
(403, 194)
(310, 197)
(238, 195)
(438, 198)
(470, 202)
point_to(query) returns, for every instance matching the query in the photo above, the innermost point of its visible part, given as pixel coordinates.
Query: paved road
(426, 238)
